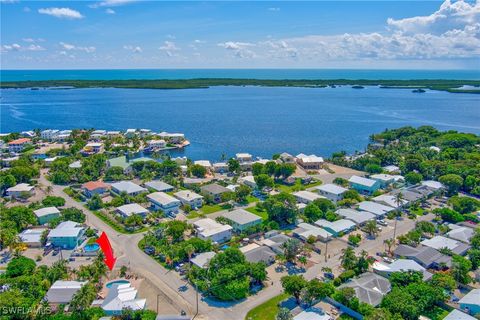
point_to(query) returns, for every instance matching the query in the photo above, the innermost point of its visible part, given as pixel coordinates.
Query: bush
(52, 201)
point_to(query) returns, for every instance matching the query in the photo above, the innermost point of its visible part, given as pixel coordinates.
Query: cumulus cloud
(134, 49)
(452, 32)
(70, 47)
(450, 16)
(61, 13)
(110, 11)
(169, 47)
(17, 47)
(275, 9)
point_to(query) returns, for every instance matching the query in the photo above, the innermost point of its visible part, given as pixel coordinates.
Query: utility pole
(326, 249)
(395, 230)
(196, 298)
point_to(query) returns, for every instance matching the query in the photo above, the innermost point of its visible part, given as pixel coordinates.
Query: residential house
(384, 179)
(49, 134)
(364, 185)
(174, 138)
(92, 148)
(130, 133)
(62, 292)
(369, 288)
(248, 181)
(305, 230)
(45, 215)
(459, 233)
(260, 254)
(204, 163)
(21, 190)
(427, 257)
(390, 201)
(144, 132)
(458, 315)
(312, 313)
(440, 242)
(28, 134)
(188, 197)
(377, 209)
(132, 208)
(119, 298)
(275, 241)
(210, 229)
(201, 260)
(400, 265)
(130, 188)
(391, 169)
(92, 188)
(121, 162)
(306, 197)
(18, 145)
(336, 228)
(156, 144)
(214, 191)
(48, 161)
(241, 219)
(433, 184)
(75, 165)
(220, 167)
(158, 186)
(287, 158)
(32, 237)
(164, 202)
(358, 217)
(244, 157)
(311, 162)
(331, 191)
(63, 135)
(67, 235)
(470, 303)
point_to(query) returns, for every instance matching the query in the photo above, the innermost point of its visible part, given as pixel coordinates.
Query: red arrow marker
(107, 250)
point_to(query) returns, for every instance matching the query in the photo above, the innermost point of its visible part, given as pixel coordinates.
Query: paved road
(168, 282)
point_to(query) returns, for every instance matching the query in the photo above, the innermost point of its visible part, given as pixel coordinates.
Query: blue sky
(234, 34)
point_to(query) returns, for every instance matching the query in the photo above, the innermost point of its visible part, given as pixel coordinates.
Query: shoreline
(452, 86)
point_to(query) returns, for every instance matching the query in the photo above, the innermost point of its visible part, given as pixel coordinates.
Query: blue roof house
(364, 185)
(67, 235)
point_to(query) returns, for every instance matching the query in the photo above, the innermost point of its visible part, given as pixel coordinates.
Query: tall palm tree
(399, 202)
(371, 228)
(49, 190)
(388, 243)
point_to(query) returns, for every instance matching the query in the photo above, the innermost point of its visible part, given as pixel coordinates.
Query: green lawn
(115, 225)
(262, 214)
(436, 313)
(267, 310)
(251, 199)
(297, 186)
(211, 208)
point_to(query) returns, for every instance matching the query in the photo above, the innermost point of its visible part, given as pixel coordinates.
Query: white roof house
(390, 201)
(242, 219)
(332, 188)
(201, 260)
(127, 186)
(46, 211)
(66, 229)
(459, 233)
(432, 184)
(248, 180)
(439, 242)
(163, 198)
(203, 163)
(62, 292)
(359, 217)
(305, 230)
(309, 159)
(400, 265)
(75, 164)
(312, 313)
(210, 229)
(132, 208)
(21, 187)
(383, 178)
(471, 300)
(335, 227)
(122, 296)
(187, 196)
(377, 209)
(458, 315)
(306, 196)
(32, 237)
(242, 157)
(391, 168)
(362, 181)
(158, 185)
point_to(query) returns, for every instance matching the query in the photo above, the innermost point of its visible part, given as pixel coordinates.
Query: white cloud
(170, 36)
(169, 47)
(450, 16)
(111, 3)
(197, 41)
(17, 47)
(275, 9)
(110, 11)
(452, 32)
(69, 47)
(61, 13)
(134, 49)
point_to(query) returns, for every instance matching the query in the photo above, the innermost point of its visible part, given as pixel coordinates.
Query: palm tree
(49, 190)
(371, 228)
(399, 202)
(302, 260)
(190, 250)
(83, 298)
(389, 244)
(348, 258)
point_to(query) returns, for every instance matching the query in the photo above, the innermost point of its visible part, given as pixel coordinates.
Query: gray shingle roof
(214, 188)
(241, 216)
(369, 288)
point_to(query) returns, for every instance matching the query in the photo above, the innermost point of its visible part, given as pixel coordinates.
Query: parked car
(382, 223)
(329, 275)
(387, 259)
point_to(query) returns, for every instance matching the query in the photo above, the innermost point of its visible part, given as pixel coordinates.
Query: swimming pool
(121, 281)
(91, 247)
